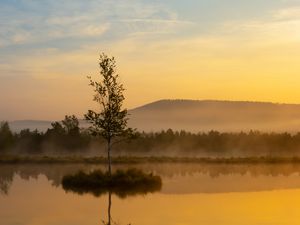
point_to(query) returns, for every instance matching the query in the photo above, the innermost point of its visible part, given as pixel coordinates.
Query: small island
(122, 182)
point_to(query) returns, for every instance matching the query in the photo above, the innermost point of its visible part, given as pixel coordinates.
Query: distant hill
(18, 125)
(41, 125)
(203, 115)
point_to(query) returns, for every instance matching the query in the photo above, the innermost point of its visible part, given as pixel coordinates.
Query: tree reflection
(6, 179)
(110, 221)
(109, 209)
(5, 183)
(122, 183)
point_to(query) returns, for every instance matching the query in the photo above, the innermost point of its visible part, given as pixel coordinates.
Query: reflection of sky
(177, 178)
(232, 44)
(52, 205)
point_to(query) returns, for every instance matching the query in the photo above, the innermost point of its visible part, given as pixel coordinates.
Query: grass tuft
(122, 182)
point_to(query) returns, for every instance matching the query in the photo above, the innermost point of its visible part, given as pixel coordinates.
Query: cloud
(290, 13)
(36, 22)
(280, 26)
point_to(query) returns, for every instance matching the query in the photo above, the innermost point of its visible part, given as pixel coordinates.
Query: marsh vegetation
(121, 182)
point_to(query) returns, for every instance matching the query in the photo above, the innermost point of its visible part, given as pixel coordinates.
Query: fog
(184, 128)
(201, 116)
(223, 116)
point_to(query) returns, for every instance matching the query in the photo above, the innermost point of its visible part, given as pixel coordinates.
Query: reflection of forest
(55, 172)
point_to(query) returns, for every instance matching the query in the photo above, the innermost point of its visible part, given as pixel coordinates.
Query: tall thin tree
(111, 121)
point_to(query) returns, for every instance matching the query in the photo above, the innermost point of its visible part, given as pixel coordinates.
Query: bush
(122, 183)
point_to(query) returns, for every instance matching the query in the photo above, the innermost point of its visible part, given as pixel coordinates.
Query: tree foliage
(111, 120)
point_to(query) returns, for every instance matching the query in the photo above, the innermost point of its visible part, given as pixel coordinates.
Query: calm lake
(192, 194)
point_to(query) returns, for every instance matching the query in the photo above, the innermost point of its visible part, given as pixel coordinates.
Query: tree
(71, 125)
(30, 141)
(6, 136)
(57, 129)
(111, 121)
(66, 135)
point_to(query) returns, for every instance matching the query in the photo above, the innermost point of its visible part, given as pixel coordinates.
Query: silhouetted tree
(57, 129)
(71, 125)
(6, 136)
(111, 121)
(66, 134)
(30, 141)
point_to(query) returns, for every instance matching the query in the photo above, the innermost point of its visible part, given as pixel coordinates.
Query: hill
(202, 115)
(41, 125)
(205, 115)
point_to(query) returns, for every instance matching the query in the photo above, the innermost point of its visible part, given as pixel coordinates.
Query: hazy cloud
(40, 21)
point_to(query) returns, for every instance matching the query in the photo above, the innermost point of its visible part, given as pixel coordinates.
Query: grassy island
(121, 182)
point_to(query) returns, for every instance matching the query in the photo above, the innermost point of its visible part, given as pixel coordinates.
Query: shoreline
(147, 159)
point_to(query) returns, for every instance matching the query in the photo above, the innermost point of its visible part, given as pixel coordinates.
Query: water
(192, 194)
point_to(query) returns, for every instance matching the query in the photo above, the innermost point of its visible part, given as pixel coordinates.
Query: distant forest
(66, 138)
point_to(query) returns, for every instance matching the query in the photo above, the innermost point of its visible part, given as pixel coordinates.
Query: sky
(166, 49)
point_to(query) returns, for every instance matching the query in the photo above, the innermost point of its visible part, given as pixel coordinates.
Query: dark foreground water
(191, 195)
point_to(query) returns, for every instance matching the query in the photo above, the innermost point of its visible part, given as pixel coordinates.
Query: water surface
(191, 194)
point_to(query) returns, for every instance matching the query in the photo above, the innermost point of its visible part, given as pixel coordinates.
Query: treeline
(214, 143)
(62, 137)
(65, 137)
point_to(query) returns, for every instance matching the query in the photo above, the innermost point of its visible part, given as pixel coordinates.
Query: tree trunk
(109, 208)
(108, 156)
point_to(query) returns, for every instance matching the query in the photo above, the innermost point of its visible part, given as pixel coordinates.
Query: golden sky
(166, 49)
